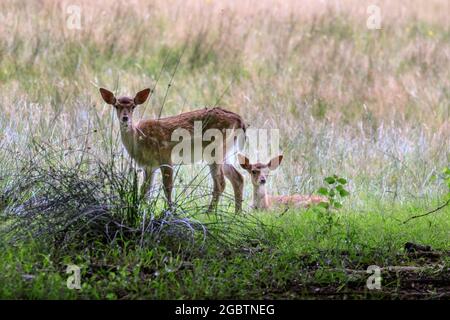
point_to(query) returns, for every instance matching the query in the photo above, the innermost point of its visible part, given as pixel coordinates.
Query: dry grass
(372, 105)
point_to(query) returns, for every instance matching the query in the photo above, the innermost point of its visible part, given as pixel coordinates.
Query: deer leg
(237, 181)
(218, 185)
(167, 179)
(148, 181)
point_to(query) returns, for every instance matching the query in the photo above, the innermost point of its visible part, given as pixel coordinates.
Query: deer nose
(124, 118)
(263, 180)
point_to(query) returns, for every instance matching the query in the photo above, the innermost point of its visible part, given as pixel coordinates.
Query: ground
(294, 260)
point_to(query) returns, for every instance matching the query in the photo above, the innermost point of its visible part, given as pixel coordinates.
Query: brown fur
(259, 173)
(149, 143)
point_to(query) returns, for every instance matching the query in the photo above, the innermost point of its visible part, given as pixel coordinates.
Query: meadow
(369, 105)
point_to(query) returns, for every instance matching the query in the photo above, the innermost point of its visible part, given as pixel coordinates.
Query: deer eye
(254, 172)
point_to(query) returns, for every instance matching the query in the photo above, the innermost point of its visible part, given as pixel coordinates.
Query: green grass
(294, 259)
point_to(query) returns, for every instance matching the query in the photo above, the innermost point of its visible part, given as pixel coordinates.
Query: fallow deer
(259, 173)
(149, 143)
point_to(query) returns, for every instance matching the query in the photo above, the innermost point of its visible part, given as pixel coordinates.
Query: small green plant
(334, 191)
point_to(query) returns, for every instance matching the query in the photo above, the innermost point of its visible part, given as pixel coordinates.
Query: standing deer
(259, 173)
(149, 143)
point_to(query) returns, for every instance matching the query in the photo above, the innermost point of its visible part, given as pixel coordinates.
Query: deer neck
(260, 198)
(129, 138)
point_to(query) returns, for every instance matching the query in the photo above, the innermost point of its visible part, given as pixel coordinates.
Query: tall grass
(87, 202)
(371, 105)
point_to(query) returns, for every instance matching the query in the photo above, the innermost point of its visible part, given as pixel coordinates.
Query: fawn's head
(125, 105)
(259, 172)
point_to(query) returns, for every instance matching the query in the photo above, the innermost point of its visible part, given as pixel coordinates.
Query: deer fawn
(149, 143)
(259, 173)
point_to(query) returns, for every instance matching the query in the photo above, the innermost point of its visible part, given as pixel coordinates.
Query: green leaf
(342, 181)
(342, 191)
(325, 205)
(323, 191)
(337, 205)
(332, 193)
(330, 180)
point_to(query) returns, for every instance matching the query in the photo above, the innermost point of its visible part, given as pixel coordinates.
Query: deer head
(259, 172)
(125, 105)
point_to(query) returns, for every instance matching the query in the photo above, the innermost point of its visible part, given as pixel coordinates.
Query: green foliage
(334, 190)
(262, 270)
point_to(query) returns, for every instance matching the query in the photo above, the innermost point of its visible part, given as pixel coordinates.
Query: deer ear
(141, 96)
(244, 162)
(108, 96)
(275, 162)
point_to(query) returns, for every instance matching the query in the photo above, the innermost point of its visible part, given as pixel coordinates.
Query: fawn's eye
(254, 172)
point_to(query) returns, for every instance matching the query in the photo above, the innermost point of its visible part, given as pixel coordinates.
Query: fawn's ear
(108, 96)
(141, 96)
(275, 162)
(244, 162)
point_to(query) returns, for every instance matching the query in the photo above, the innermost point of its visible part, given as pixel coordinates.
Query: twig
(429, 212)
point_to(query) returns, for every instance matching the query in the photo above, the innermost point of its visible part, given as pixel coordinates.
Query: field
(369, 105)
